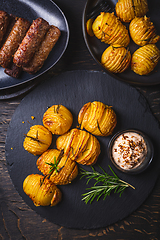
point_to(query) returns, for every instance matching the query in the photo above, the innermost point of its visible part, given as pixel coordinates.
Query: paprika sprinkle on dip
(129, 150)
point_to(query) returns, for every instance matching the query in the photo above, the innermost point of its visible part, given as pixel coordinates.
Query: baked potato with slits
(80, 146)
(37, 140)
(97, 118)
(116, 58)
(126, 10)
(41, 190)
(110, 30)
(143, 31)
(145, 59)
(65, 170)
(58, 119)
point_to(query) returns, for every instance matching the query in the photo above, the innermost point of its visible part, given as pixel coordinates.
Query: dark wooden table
(17, 220)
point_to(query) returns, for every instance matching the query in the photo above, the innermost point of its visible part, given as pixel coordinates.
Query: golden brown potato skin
(110, 30)
(97, 118)
(37, 140)
(67, 170)
(143, 31)
(80, 146)
(126, 10)
(58, 119)
(116, 58)
(41, 190)
(145, 59)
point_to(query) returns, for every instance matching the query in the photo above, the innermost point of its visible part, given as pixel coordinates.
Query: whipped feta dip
(129, 150)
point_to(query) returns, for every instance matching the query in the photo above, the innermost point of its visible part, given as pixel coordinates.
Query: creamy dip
(129, 150)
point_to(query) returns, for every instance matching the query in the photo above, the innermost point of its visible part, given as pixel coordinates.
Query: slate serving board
(74, 89)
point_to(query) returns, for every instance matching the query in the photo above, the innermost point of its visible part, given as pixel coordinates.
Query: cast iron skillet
(96, 47)
(32, 9)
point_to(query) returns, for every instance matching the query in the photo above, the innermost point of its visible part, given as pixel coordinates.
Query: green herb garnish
(53, 166)
(109, 184)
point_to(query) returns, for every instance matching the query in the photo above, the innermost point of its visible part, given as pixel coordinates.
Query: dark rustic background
(17, 220)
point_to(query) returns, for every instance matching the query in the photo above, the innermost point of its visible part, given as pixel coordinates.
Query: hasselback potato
(58, 119)
(126, 10)
(37, 140)
(145, 59)
(61, 169)
(110, 30)
(80, 146)
(143, 31)
(97, 118)
(116, 58)
(41, 190)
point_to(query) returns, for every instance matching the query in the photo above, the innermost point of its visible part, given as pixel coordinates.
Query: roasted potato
(143, 31)
(61, 169)
(116, 58)
(58, 119)
(145, 59)
(126, 10)
(41, 190)
(89, 27)
(110, 30)
(97, 118)
(80, 146)
(37, 140)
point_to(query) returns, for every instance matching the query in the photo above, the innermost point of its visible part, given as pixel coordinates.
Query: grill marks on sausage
(25, 46)
(31, 42)
(43, 51)
(13, 40)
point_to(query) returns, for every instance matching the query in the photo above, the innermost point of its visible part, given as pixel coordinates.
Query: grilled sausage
(12, 43)
(4, 21)
(13, 71)
(12, 20)
(45, 48)
(31, 42)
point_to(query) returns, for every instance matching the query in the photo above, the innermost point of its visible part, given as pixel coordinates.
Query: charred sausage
(13, 71)
(12, 42)
(45, 48)
(4, 21)
(31, 42)
(12, 21)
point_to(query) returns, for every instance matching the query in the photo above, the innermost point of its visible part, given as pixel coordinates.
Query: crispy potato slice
(116, 58)
(145, 59)
(41, 190)
(37, 140)
(58, 119)
(97, 118)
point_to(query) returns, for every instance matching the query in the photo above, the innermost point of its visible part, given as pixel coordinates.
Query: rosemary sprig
(53, 166)
(109, 184)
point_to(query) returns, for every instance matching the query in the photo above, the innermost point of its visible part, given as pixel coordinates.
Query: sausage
(12, 21)
(45, 48)
(4, 21)
(13, 71)
(13, 40)
(31, 42)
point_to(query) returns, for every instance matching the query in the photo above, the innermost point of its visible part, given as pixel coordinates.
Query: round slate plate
(96, 47)
(32, 9)
(73, 90)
